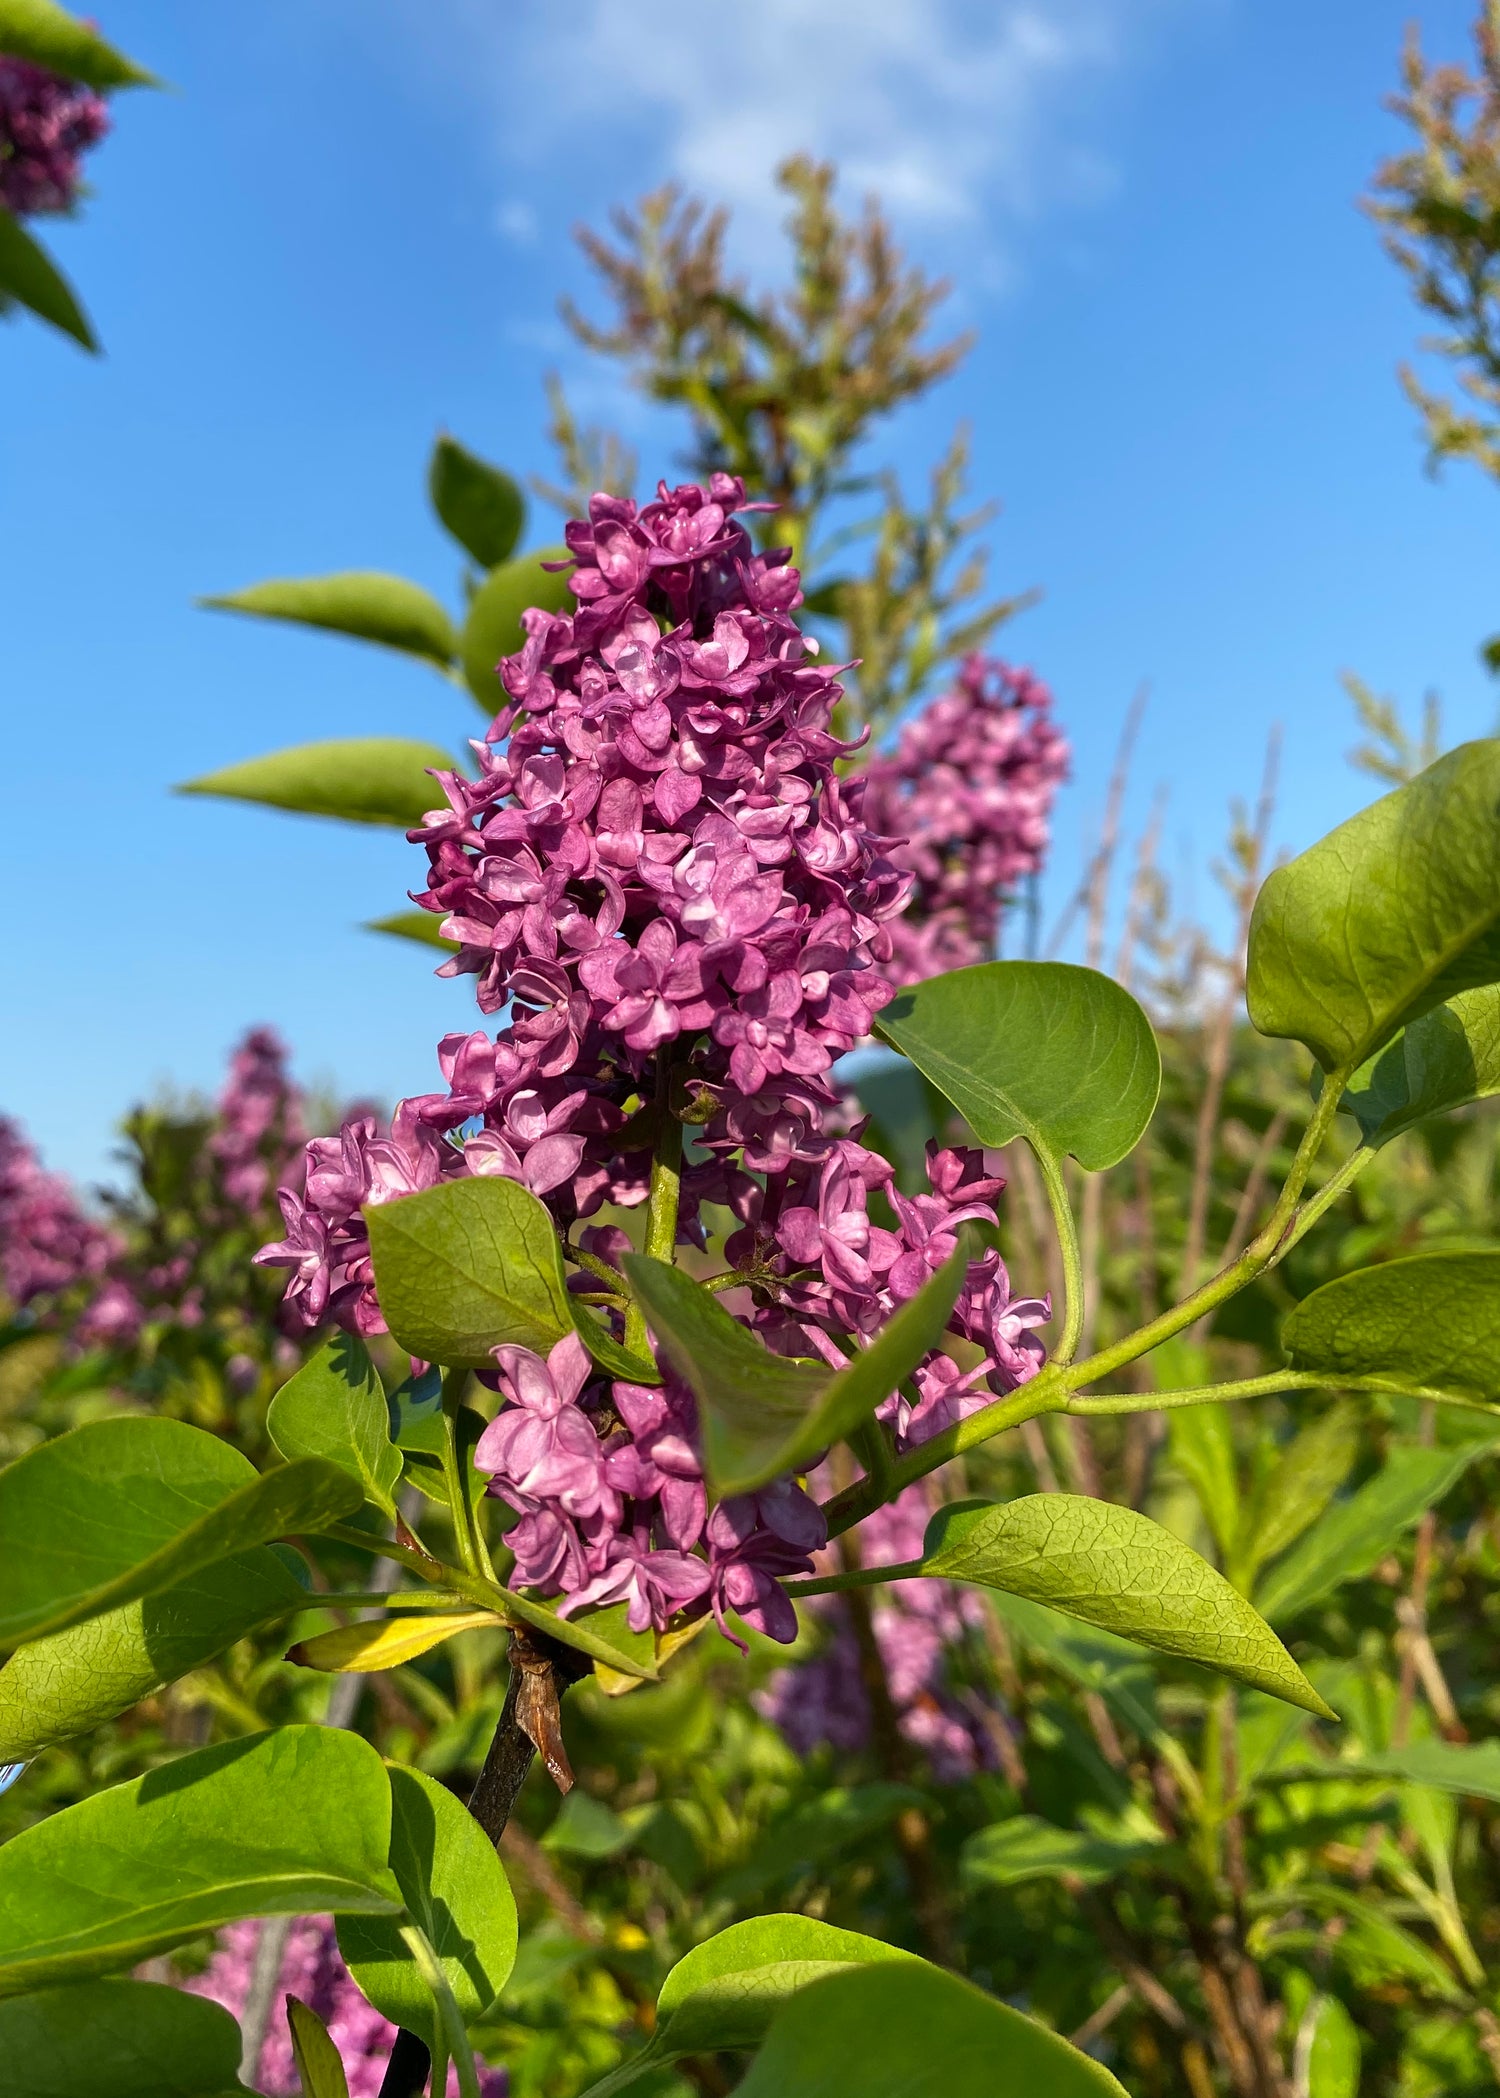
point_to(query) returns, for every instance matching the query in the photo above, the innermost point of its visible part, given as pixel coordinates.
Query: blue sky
(349, 226)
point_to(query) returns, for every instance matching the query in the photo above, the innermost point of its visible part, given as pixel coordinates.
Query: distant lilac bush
(47, 124)
(48, 1245)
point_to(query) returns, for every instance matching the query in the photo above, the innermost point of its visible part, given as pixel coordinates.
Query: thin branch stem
(1072, 1265)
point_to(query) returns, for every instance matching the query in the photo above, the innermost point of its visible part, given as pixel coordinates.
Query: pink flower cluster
(313, 1971)
(661, 879)
(259, 1133)
(969, 787)
(46, 124)
(917, 1624)
(48, 1245)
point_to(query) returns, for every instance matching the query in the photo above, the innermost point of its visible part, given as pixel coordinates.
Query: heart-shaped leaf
(725, 1992)
(1431, 1321)
(1392, 913)
(289, 1823)
(388, 1642)
(1444, 1060)
(359, 779)
(47, 35)
(74, 1680)
(126, 2039)
(1119, 1570)
(335, 1408)
(482, 507)
(362, 603)
(1045, 1050)
(464, 1267)
(30, 277)
(124, 1508)
(908, 2030)
(493, 628)
(455, 1889)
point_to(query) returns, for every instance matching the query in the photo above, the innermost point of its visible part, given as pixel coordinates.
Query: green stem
(430, 1968)
(661, 1207)
(459, 1506)
(1313, 1209)
(1072, 1264)
(856, 1577)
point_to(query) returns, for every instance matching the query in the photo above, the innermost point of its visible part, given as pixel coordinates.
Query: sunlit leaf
(291, 1823)
(126, 1507)
(1045, 1050)
(420, 926)
(335, 1407)
(455, 1889)
(1115, 1568)
(118, 2039)
(907, 2030)
(47, 35)
(1430, 1321)
(466, 1266)
(1389, 915)
(358, 779)
(493, 627)
(362, 603)
(320, 2068)
(481, 506)
(389, 1642)
(74, 1680)
(1023, 1848)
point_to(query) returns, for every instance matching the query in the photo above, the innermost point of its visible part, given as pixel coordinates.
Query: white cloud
(517, 221)
(953, 111)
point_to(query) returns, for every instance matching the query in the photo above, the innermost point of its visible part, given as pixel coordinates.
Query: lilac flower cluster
(917, 1624)
(48, 1246)
(313, 1971)
(259, 1132)
(46, 124)
(969, 786)
(660, 877)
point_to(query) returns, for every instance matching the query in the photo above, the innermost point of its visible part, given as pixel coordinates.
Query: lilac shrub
(46, 125)
(969, 787)
(663, 884)
(49, 1247)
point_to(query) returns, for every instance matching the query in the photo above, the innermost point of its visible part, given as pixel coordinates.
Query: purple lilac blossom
(969, 787)
(48, 1245)
(259, 1132)
(313, 1971)
(659, 875)
(46, 124)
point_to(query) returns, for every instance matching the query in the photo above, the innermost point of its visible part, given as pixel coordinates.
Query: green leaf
(763, 1414)
(1356, 1534)
(289, 1823)
(118, 2039)
(358, 779)
(584, 1827)
(907, 2030)
(468, 1266)
(810, 1836)
(421, 926)
(320, 2069)
(75, 1680)
(47, 35)
(1333, 2050)
(1201, 1440)
(1027, 1848)
(493, 628)
(123, 1508)
(609, 1353)
(1296, 1490)
(29, 276)
(335, 1408)
(1446, 1059)
(724, 1993)
(455, 1889)
(482, 507)
(1045, 1050)
(1117, 1569)
(1469, 1769)
(1431, 1320)
(359, 602)
(1387, 917)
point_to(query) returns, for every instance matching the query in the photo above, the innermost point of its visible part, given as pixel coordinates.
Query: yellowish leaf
(387, 1642)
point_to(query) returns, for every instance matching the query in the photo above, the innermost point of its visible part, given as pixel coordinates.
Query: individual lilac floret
(313, 1971)
(46, 125)
(969, 787)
